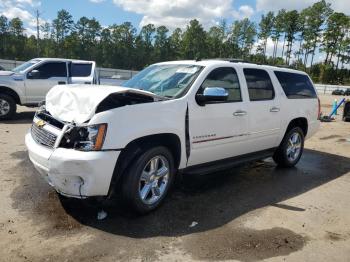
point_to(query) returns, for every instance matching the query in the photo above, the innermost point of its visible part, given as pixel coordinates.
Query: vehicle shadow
(25, 117)
(216, 199)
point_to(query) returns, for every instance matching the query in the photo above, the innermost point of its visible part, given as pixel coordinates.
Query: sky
(173, 13)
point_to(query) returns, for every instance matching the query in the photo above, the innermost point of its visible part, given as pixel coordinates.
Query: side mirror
(34, 74)
(212, 95)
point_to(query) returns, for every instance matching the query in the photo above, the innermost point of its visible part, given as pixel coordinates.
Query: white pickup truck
(29, 83)
(183, 116)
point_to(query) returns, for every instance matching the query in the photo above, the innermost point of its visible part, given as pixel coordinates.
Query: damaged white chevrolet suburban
(173, 117)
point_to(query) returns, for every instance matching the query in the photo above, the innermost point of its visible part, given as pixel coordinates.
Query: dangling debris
(193, 224)
(101, 215)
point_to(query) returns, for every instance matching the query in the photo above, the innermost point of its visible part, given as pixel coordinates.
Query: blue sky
(109, 12)
(106, 12)
(171, 13)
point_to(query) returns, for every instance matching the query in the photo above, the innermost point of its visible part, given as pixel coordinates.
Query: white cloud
(274, 5)
(12, 12)
(178, 13)
(244, 11)
(23, 9)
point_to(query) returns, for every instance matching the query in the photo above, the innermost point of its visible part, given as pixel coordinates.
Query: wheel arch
(134, 148)
(10, 92)
(298, 122)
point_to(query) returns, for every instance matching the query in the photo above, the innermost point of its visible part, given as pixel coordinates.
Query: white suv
(173, 117)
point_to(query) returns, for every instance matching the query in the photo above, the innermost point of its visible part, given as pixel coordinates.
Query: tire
(287, 154)
(8, 107)
(144, 193)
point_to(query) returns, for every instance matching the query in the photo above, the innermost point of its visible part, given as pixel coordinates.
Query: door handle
(61, 82)
(240, 113)
(274, 109)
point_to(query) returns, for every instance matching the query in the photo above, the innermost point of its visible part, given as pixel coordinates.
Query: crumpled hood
(78, 103)
(6, 73)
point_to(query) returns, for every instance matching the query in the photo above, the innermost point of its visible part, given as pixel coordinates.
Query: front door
(42, 78)
(218, 130)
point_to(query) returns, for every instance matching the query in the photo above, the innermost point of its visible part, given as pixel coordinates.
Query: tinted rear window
(80, 69)
(259, 84)
(296, 85)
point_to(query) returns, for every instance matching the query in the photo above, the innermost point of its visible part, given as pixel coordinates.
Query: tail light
(319, 109)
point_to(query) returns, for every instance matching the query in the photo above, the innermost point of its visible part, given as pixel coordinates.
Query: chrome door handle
(274, 109)
(240, 113)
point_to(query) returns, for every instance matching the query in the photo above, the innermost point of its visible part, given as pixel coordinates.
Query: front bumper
(71, 172)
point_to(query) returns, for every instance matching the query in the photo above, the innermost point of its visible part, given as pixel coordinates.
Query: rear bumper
(73, 173)
(313, 127)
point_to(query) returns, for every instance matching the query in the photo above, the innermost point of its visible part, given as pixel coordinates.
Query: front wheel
(7, 107)
(148, 180)
(291, 148)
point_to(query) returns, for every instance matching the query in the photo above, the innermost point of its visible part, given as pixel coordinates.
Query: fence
(328, 89)
(10, 64)
(105, 73)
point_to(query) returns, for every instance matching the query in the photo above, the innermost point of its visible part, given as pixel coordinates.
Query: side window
(52, 69)
(224, 77)
(80, 70)
(259, 84)
(296, 85)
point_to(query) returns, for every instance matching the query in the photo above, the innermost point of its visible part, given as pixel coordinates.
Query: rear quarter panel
(296, 108)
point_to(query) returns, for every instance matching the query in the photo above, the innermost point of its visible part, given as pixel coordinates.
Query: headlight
(90, 138)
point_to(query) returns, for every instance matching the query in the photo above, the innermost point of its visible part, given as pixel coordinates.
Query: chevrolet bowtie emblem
(40, 123)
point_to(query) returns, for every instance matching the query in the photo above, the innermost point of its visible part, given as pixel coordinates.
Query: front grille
(43, 136)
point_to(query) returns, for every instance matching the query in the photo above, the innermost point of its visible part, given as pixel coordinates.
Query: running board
(227, 163)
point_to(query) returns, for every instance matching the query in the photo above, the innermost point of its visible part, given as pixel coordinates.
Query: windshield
(169, 80)
(24, 66)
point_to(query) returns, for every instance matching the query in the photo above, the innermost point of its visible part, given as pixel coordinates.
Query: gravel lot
(250, 213)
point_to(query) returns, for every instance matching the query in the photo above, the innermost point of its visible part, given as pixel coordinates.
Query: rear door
(47, 75)
(81, 72)
(264, 110)
(218, 130)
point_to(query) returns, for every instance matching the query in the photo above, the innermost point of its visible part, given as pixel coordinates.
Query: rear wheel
(291, 148)
(147, 181)
(7, 107)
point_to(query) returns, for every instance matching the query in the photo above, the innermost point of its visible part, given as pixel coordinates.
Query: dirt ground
(254, 212)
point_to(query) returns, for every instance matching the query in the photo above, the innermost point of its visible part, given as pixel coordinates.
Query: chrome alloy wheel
(4, 107)
(294, 147)
(154, 180)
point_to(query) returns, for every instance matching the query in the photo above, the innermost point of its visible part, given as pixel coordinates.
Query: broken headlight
(85, 138)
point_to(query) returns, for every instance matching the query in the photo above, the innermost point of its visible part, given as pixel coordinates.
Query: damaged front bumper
(71, 172)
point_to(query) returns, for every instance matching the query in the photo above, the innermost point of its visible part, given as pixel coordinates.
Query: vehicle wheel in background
(7, 107)
(147, 180)
(291, 148)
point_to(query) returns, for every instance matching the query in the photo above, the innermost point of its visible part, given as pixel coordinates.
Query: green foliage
(194, 41)
(316, 30)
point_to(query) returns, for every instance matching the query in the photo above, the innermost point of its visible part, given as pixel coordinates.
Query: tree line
(297, 39)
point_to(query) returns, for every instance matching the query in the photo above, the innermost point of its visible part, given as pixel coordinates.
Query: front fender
(14, 84)
(128, 123)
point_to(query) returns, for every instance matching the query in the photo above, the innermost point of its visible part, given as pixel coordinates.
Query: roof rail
(232, 60)
(285, 66)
